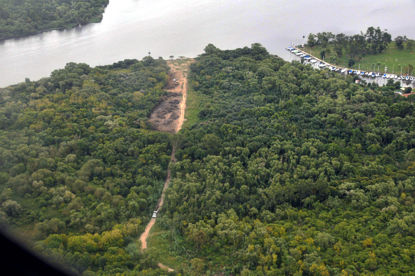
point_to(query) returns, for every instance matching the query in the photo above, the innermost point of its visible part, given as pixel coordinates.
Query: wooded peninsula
(281, 169)
(19, 18)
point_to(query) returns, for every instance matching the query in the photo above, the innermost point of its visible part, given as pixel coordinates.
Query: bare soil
(165, 267)
(144, 236)
(168, 116)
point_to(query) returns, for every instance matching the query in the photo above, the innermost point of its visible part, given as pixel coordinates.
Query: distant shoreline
(18, 22)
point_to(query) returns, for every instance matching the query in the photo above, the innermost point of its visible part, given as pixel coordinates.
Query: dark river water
(132, 28)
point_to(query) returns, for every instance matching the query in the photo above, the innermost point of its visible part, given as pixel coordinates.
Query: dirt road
(169, 115)
(144, 235)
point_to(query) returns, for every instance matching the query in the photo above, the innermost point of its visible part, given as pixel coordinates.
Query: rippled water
(132, 28)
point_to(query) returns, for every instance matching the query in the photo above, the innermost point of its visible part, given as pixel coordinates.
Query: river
(132, 28)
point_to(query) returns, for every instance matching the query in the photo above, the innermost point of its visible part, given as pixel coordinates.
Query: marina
(371, 77)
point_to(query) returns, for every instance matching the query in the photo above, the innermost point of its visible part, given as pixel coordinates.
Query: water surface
(132, 28)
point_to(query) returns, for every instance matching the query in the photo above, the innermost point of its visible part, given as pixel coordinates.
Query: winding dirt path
(169, 117)
(144, 235)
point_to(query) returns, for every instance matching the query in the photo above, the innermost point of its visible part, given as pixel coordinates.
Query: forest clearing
(169, 115)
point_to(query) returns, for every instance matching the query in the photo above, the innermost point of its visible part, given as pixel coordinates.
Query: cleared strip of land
(169, 117)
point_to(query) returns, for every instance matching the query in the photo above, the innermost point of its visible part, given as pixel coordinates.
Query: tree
(338, 48)
(311, 41)
(211, 49)
(409, 44)
(399, 40)
(408, 69)
(407, 90)
(12, 208)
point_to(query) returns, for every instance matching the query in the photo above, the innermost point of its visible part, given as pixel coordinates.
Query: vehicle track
(169, 121)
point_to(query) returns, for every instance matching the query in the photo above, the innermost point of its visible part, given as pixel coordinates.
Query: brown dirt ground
(169, 115)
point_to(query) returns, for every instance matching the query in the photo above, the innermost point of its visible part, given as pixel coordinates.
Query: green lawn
(393, 58)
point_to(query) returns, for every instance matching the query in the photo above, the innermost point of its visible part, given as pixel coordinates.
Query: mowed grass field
(392, 58)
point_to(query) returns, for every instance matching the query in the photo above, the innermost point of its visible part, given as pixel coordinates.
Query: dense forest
(286, 170)
(20, 18)
(292, 171)
(80, 170)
